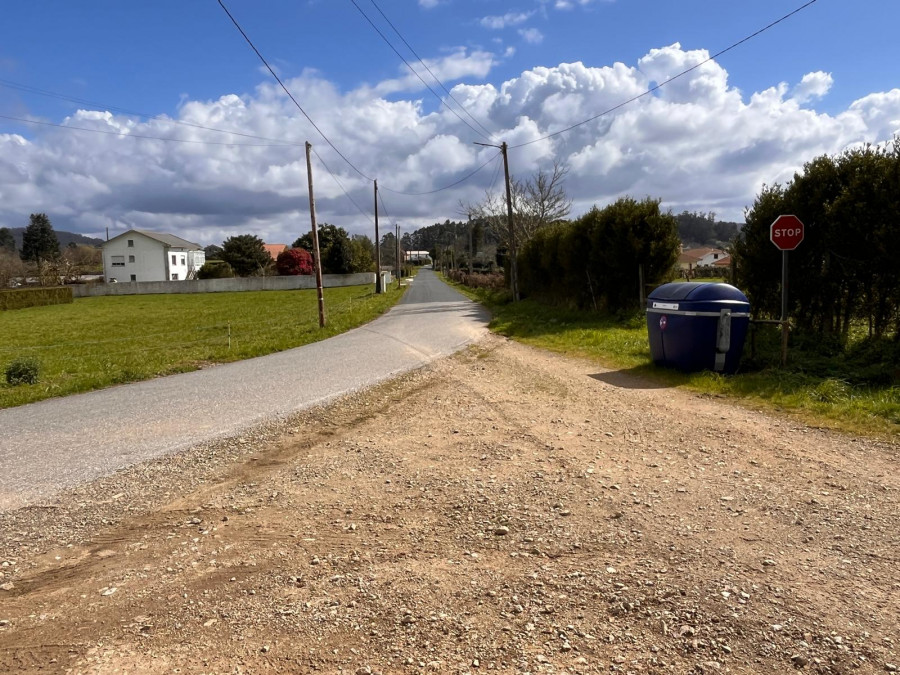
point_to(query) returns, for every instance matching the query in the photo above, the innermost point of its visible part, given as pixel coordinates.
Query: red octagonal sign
(786, 232)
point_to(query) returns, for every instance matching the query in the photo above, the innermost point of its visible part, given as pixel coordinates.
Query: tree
(329, 236)
(593, 261)
(213, 252)
(39, 241)
(339, 259)
(536, 202)
(362, 254)
(294, 261)
(246, 254)
(12, 269)
(845, 269)
(7, 241)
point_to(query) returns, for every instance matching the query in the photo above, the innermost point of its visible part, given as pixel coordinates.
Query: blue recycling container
(696, 326)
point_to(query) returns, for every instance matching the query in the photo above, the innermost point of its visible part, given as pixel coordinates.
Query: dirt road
(504, 509)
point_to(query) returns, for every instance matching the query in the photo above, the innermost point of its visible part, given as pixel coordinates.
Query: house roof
(274, 249)
(695, 254)
(723, 262)
(163, 238)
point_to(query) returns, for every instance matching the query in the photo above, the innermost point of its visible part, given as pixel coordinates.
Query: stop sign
(786, 232)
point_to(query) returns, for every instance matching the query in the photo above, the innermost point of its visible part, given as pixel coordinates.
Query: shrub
(215, 269)
(294, 261)
(35, 297)
(22, 371)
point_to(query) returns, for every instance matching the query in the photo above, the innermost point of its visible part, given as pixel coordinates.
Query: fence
(287, 283)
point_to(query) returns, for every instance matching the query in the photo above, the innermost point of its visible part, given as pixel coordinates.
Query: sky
(103, 106)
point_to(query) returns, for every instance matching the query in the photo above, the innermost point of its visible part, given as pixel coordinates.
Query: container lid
(694, 291)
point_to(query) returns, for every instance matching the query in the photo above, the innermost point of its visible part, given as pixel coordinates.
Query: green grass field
(847, 391)
(98, 342)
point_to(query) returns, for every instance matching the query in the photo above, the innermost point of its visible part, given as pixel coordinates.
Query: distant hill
(64, 238)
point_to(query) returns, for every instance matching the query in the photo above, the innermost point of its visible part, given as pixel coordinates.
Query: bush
(22, 371)
(215, 269)
(35, 297)
(294, 261)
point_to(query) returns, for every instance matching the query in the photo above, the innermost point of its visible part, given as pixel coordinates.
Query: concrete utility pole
(315, 237)
(513, 262)
(378, 288)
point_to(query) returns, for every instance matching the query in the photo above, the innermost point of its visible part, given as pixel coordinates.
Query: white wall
(149, 263)
(153, 261)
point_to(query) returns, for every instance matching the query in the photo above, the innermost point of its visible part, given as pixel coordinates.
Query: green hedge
(35, 297)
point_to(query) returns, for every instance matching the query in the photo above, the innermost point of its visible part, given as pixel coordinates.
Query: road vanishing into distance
(59, 443)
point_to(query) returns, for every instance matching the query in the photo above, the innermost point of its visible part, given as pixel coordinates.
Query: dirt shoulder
(506, 509)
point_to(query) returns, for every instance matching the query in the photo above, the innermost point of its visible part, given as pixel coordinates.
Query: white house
(141, 255)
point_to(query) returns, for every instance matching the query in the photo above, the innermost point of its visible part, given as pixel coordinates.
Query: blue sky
(823, 80)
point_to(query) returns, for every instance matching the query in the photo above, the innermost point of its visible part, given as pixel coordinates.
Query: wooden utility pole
(513, 253)
(317, 259)
(378, 288)
(513, 263)
(471, 252)
(399, 267)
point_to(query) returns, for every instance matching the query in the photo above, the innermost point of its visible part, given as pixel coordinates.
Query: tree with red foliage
(293, 261)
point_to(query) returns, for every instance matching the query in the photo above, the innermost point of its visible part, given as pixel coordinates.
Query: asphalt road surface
(59, 443)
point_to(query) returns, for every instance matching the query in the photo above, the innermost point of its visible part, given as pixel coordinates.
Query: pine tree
(39, 241)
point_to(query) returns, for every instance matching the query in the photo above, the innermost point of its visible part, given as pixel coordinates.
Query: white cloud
(531, 35)
(429, 4)
(508, 19)
(571, 4)
(812, 86)
(456, 65)
(697, 143)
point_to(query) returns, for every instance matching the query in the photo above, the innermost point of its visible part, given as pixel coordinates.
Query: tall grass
(853, 387)
(98, 342)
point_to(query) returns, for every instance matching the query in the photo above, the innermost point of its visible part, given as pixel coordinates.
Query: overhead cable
(424, 65)
(670, 80)
(446, 187)
(290, 95)
(341, 186)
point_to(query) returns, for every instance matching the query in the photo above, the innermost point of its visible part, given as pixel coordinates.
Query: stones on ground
(799, 660)
(501, 531)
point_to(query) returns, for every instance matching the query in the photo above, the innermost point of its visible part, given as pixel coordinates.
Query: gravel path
(500, 510)
(60, 443)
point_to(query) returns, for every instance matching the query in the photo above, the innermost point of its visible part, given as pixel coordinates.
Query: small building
(417, 257)
(693, 258)
(142, 255)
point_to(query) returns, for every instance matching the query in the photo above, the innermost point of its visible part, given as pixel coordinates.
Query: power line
(414, 72)
(424, 65)
(446, 187)
(290, 95)
(671, 79)
(143, 136)
(43, 92)
(340, 185)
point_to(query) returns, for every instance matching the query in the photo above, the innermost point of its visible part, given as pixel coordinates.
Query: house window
(131, 243)
(118, 261)
(173, 260)
(131, 258)
(174, 277)
(134, 277)
(182, 260)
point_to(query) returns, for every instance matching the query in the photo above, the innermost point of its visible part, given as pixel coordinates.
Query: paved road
(59, 443)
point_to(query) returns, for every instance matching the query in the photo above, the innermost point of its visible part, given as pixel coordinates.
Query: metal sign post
(786, 233)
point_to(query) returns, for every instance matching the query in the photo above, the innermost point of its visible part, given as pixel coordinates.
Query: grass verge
(98, 342)
(819, 390)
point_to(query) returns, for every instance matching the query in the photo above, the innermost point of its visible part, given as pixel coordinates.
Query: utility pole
(315, 237)
(378, 288)
(471, 253)
(513, 253)
(399, 267)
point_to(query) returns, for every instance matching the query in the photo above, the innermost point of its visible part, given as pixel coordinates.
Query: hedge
(21, 298)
